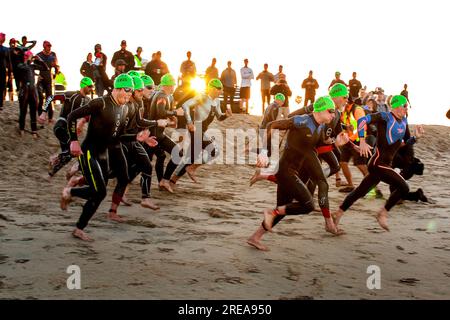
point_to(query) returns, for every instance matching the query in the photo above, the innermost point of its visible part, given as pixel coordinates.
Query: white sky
(388, 43)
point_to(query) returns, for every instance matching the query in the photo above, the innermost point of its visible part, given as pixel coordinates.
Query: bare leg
(382, 218)
(255, 239)
(363, 169)
(190, 170)
(347, 174)
(124, 197)
(66, 197)
(337, 217)
(148, 203)
(166, 185)
(80, 234)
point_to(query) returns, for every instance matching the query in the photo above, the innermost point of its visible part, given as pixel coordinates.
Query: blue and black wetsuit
(326, 152)
(302, 138)
(391, 132)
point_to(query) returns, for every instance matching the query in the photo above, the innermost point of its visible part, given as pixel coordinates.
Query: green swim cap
(133, 73)
(138, 83)
(215, 83)
(86, 82)
(323, 103)
(338, 90)
(167, 80)
(398, 101)
(280, 96)
(123, 81)
(148, 81)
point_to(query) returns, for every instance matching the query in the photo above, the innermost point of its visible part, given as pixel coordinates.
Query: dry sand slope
(194, 247)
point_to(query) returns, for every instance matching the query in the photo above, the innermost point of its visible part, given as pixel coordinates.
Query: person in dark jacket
(125, 55)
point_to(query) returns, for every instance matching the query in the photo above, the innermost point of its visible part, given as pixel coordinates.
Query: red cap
(2, 35)
(12, 40)
(47, 43)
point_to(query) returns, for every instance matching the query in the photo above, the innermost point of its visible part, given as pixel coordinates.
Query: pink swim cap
(27, 54)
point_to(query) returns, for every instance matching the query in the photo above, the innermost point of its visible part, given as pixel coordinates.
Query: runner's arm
(91, 108)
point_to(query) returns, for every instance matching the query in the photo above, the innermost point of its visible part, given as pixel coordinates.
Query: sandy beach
(195, 246)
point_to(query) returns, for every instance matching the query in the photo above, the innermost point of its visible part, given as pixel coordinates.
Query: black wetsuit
(5, 69)
(160, 108)
(302, 138)
(390, 134)
(71, 100)
(28, 95)
(157, 150)
(137, 158)
(405, 160)
(45, 81)
(106, 127)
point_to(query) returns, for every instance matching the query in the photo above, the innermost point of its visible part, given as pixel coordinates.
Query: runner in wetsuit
(71, 100)
(305, 132)
(200, 111)
(160, 108)
(107, 122)
(28, 95)
(392, 129)
(326, 151)
(45, 77)
(149, 92)
(136, 157)
(272, 111)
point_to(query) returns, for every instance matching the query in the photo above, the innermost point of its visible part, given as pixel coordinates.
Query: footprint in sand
(409, 281)
(165, 250)
(22, 260)
(402, 261)
(231, 280)
(141, 223)
(3, 258)
(217, 213)
(292, 275)
(138, 241)
(400, 248)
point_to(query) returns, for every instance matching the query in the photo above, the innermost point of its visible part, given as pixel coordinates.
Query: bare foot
(269, 218)
(35, 135)
(71, 172)
(74, 181)
(125, 201)
(54, 160)
(258, 245)
(382, 220)
(256, 177)
(166, 185)
(148, 203)
(22, 133)
(337, 217)
(66, 197)
(80, 234)
(330, 226)
(113, 216)
(191, 173)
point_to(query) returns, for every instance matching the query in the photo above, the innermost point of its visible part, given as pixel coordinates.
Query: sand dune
(194, 247)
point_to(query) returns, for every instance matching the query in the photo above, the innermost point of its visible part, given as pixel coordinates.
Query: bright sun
(198, 84)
